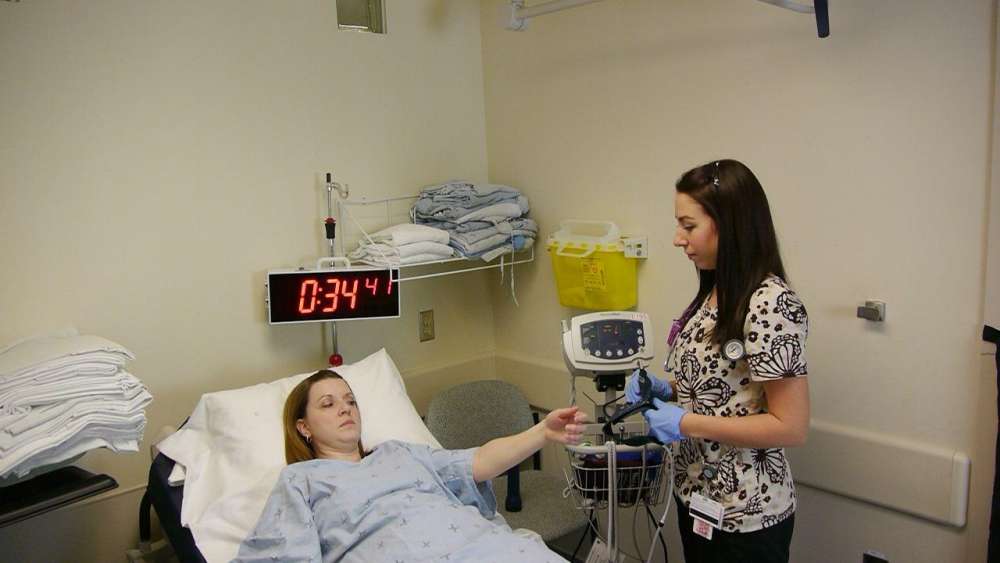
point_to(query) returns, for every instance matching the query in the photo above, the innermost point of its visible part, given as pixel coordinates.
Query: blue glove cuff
(665, 421)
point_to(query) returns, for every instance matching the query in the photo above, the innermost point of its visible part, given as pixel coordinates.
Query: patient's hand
(500, 454)
(565, 425)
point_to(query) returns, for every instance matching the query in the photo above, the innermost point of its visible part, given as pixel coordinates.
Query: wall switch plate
(427, 325)
(636, 247)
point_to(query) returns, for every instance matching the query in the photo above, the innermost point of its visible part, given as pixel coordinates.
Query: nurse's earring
(309, 439)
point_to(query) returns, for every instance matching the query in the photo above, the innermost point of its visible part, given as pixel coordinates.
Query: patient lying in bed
(400, 502)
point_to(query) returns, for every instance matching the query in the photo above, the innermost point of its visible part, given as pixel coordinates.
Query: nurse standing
(737, 369)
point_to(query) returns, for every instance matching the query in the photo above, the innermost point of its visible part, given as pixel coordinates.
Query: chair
(471, 414)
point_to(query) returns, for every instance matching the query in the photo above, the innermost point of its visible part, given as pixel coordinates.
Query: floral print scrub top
(754, 484)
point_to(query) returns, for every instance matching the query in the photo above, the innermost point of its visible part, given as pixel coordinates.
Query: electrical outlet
(872, 556)
(427, 325)
(636, 247)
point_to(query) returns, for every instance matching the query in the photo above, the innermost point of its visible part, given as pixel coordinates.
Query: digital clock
(332, 295)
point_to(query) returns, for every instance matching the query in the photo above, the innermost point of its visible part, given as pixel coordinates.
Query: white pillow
(386, 410)
(232, 447)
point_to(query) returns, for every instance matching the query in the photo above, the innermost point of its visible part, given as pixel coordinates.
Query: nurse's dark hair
(748, 247)
(297, 448)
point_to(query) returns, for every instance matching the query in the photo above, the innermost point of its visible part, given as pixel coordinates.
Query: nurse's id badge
(702, 528)
(706, 509)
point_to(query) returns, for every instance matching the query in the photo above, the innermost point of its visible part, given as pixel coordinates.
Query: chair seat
(546, 512)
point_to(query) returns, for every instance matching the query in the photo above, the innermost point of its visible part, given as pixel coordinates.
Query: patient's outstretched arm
(496, 456)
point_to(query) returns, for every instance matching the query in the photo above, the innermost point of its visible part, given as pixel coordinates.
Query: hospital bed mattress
(167, 502)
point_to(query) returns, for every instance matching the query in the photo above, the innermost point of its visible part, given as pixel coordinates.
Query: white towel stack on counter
(403, 244)
(62, 395)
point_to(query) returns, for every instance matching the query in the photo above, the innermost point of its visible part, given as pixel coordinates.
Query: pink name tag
(703, 528)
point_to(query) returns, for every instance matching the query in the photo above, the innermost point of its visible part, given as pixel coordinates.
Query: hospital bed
(167, 501)
(207, 516)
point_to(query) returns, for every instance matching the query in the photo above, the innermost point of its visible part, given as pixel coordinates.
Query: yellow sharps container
(590, 266)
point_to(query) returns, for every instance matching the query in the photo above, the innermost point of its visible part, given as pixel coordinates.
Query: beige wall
(157, 158)
(151, 150)
(873, 146)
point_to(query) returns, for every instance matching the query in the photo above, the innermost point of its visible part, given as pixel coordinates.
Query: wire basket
(639, 474)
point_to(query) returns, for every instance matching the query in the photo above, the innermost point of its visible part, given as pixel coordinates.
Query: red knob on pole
(336, 360)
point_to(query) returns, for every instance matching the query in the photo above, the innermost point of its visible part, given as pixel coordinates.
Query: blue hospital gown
(401, 503)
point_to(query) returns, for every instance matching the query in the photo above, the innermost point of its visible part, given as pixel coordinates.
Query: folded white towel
(54, 371)
(53, 419)
(380, 254)
(419, 258)
(99, 432)
(396, 261)
(45, 442)
(408, 233)
(66, 390)
(379, 250)
(58, 350)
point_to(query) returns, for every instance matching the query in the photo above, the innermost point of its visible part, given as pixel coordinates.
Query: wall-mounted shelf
(504, 261)
(357, 218)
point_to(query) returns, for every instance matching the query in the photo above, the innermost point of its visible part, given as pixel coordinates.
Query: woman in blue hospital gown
(398, 503)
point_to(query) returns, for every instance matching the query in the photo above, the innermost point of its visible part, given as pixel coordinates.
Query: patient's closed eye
(327, 402)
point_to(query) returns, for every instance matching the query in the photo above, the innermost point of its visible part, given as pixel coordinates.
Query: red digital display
(332, 295)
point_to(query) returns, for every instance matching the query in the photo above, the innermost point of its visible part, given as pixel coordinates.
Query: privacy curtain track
(520, 13)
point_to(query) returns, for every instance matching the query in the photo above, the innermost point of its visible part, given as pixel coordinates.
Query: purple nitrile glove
(665, 421)
(661, 389)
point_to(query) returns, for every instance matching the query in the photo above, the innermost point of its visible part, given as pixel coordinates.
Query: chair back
(471, 414)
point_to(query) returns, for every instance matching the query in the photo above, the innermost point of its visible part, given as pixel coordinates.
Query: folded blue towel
(523, 223)
(456, 199)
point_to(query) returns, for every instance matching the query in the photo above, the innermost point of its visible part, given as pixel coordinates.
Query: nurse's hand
(564, 425)
(665, 421)
(661, 389)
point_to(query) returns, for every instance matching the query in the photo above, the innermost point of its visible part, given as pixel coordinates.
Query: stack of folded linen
(403, 244)
(62, 395)
(484, 220)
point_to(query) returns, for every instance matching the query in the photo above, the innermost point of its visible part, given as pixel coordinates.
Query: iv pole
(330, 226)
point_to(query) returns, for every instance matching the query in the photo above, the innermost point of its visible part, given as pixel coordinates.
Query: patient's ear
(302, 427)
